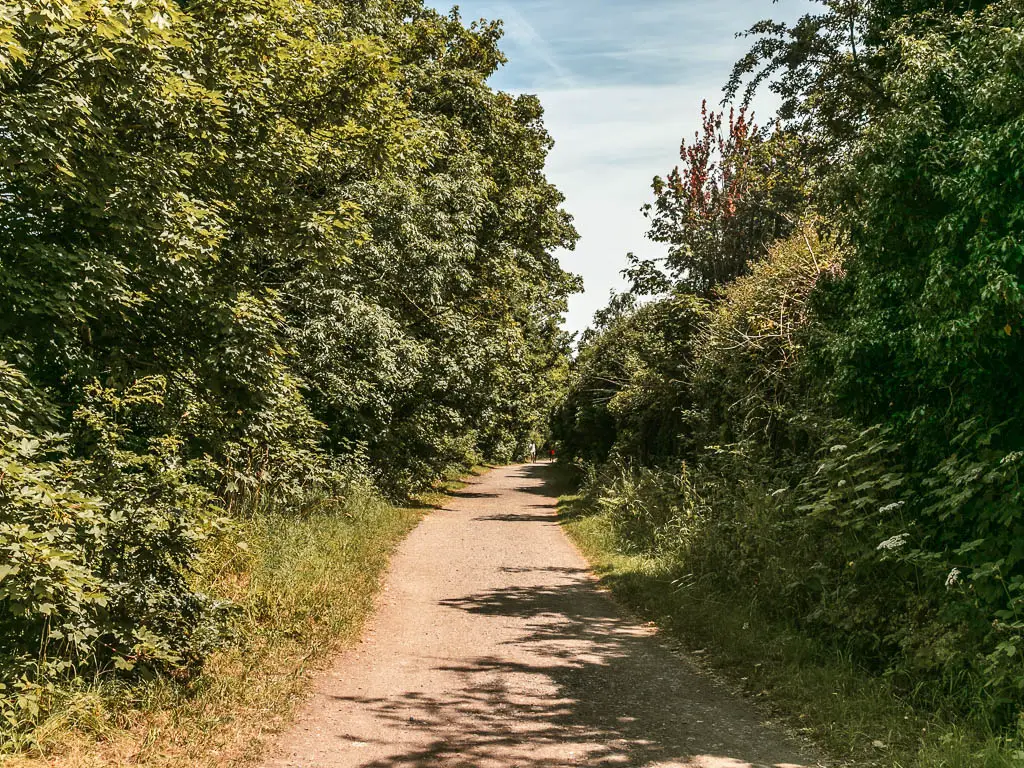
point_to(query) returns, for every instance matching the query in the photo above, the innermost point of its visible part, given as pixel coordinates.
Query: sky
(622, 84)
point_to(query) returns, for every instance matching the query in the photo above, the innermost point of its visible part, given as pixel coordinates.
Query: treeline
(250, 251)
(818, 407)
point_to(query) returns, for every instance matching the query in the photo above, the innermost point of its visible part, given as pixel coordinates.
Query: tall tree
(737, 189)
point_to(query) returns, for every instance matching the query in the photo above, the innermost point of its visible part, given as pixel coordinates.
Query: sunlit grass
(857, 718)
(304, 585)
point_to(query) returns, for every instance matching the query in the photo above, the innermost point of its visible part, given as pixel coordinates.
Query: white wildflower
(891, 507)
(894, 542)
(1012, 458)
(837, 448)
(953, 579)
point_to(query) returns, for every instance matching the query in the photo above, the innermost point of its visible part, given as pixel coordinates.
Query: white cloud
(520, 32)
(622, 85)
(609, 144)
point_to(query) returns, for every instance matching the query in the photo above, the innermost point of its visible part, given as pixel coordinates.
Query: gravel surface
(494, 648)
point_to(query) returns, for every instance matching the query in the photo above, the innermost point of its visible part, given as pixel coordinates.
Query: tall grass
(303, 584)
(816, 688)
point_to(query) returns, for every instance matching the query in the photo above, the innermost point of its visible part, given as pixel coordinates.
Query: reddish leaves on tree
(711, 209)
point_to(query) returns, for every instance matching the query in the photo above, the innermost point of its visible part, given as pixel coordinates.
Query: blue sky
(622, 84)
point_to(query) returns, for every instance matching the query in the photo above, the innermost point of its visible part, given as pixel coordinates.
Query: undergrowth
(857, 717)
(302, 584)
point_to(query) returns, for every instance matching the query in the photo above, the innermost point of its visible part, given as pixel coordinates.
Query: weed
(818, 689)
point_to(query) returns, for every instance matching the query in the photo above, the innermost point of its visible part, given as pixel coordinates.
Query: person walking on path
(533, 453)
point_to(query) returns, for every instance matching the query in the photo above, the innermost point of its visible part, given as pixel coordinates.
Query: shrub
(746, 362)
(96, 557)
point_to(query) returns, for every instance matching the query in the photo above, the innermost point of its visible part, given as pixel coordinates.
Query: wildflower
(837, 449)
(953, 579)
(891, 507)
(894, 542)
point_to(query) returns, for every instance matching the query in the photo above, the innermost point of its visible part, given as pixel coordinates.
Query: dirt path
(493, 648)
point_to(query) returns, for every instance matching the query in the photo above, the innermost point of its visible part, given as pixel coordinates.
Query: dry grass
(304, 586)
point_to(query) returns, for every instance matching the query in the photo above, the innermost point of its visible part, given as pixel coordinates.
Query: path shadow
(520, 517)
(585, 685)
(440, 498)
(543, 479)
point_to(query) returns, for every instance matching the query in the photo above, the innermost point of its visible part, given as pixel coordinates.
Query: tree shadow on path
(582, 684)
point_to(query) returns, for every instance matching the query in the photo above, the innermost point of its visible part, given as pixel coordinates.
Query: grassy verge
(304, 586)
(857, 718)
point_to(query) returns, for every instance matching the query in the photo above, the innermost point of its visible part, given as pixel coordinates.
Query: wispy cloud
(621, 84)
(525, 35)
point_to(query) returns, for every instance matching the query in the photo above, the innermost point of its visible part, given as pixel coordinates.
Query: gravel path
(494, 648)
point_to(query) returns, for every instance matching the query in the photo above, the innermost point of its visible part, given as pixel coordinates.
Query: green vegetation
(300, 586)
(819, 691)
(265, 264)
(256, 258)
(813, 426)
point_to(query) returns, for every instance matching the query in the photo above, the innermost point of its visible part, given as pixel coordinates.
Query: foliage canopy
(248, 250)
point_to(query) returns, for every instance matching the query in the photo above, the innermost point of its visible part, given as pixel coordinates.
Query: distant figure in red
(551, 454)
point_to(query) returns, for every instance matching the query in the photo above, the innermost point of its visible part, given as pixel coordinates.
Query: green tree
(245, 246)
(737, 191)
(828, 67)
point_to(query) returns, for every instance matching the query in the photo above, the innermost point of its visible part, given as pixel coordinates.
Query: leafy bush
(925, 329)
(249, 250)
(746, 363)
(923, 333)
(92, 583)
(628, 387)
(650, 510)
